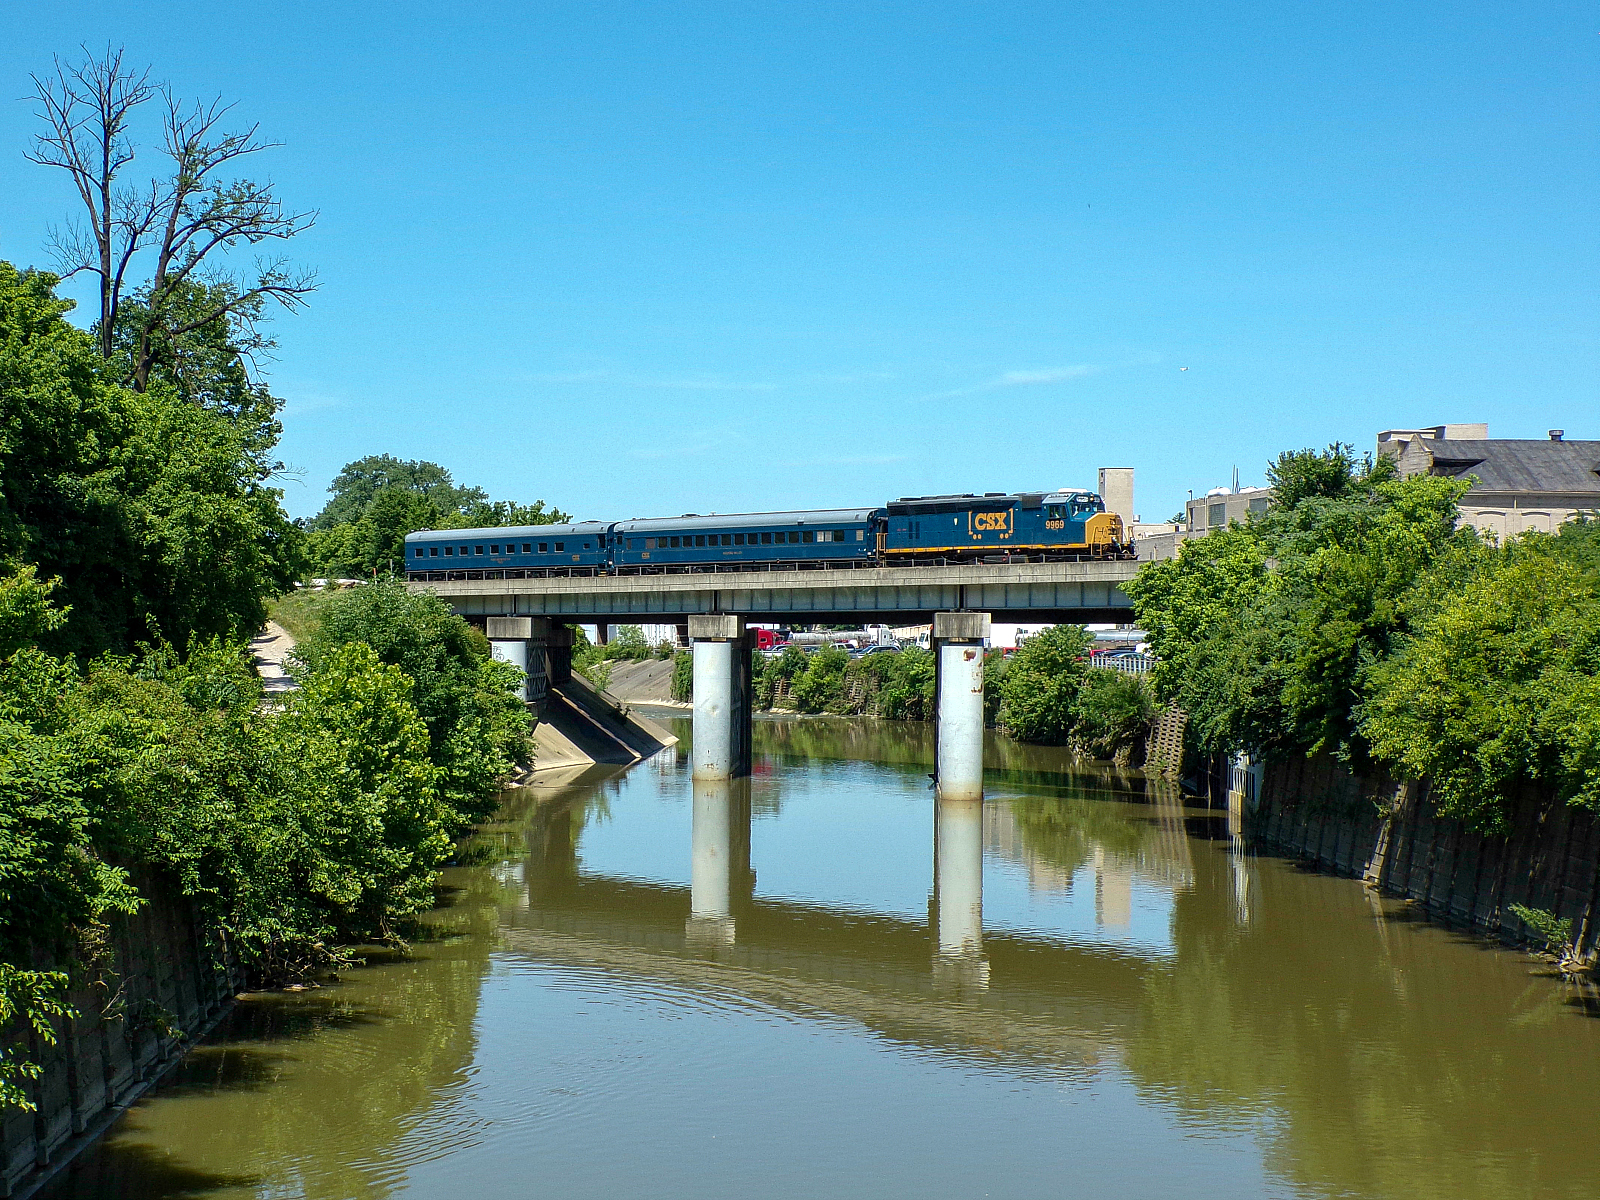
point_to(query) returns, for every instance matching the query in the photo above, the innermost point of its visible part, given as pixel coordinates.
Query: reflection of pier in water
(944, 984)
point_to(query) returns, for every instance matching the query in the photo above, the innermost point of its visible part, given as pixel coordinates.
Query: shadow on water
(133, 1169)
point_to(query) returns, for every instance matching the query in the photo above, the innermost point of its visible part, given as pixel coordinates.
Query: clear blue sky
(643, 259)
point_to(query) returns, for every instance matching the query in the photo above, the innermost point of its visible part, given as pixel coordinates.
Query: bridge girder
(1033, 592)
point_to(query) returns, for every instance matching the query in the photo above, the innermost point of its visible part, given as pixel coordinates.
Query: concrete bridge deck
(1044, 592)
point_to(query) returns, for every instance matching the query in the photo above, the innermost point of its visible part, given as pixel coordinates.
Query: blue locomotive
(920, 530)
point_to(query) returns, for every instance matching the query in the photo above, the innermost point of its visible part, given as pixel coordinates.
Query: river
(780, 989)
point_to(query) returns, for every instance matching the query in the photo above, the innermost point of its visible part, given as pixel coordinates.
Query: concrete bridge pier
(719, 860)
(722, 696)
(523, 642)
(958, 645)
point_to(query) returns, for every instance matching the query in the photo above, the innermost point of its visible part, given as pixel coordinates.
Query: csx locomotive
(914, 530)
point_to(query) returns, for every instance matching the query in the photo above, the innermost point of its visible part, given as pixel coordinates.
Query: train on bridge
(995, 527)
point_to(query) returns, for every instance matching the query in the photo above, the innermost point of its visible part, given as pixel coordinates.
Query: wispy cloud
(1015, 379)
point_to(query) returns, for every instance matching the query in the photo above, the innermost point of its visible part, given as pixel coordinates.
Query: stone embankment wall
(156, 984)
(1387, 834)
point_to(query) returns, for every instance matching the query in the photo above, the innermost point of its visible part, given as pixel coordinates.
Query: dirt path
(269, 648)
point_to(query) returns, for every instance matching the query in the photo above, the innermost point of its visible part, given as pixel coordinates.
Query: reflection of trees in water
(1053, 837)
(1369, 1053)
(319, 1094)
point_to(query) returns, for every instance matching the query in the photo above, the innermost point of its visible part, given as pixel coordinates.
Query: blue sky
(642, 259)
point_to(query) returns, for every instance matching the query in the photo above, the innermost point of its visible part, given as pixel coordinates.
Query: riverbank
(1211, 1022)
(1390, 835)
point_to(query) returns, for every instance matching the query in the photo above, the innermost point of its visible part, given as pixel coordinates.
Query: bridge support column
(521, 641)
(958, 639)
(720, 874)
(722, 696)
(559, 646)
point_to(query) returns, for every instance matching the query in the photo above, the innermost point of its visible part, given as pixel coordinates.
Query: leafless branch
(184, 218)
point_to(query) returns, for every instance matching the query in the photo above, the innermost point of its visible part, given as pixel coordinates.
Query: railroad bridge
(1041, 592)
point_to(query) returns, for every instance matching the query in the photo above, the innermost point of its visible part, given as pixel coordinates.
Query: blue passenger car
(702, 543)
(1030, 524)
(582, 547)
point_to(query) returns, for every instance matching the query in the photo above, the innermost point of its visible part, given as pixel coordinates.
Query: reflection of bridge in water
(944, 984)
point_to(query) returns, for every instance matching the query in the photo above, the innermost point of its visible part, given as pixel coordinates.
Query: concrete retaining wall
(1385, 833)
(155, 985)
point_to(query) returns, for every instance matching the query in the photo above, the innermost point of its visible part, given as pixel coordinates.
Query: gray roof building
(1518, 484)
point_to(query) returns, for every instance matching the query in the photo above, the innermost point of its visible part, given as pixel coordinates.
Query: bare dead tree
(181, 218)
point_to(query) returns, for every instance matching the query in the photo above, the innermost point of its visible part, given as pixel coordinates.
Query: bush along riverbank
(1358, 623)
(165, 835)
(1046, 692)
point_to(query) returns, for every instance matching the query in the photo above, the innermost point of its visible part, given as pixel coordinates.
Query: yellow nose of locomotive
(1103, 532)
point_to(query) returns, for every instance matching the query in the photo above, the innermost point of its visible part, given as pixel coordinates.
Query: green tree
(477, 726)
(1499, 691)
(358, 484)
(152, 513)
(1264, 632)
(181, 225)
(1039, 691)
(1297, 475)
(818, 688)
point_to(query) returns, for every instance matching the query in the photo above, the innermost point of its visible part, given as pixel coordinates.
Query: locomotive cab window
(1055, 512)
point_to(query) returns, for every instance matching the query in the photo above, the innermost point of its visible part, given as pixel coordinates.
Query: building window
(1216, 515)
(1258, 506)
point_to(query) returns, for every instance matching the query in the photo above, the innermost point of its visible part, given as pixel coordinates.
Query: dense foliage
(477, 729)
(1356, 617)
(379, 499)
(152, 511)
(138, 547)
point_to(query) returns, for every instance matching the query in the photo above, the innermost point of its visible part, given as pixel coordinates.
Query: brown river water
(782, 989)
